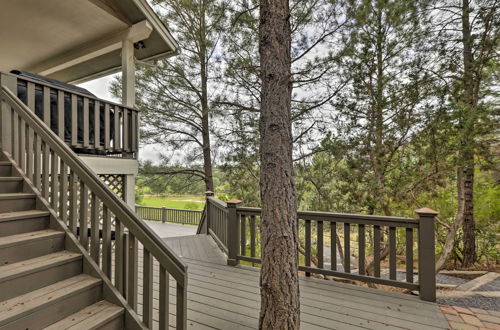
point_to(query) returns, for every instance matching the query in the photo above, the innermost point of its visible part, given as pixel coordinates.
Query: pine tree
(279, 282)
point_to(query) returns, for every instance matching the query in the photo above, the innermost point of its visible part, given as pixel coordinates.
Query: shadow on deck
(225, 297)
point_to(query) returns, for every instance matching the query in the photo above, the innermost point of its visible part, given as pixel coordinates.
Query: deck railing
(164, 214)
(82, 201)
(89, 125)
(350, 246)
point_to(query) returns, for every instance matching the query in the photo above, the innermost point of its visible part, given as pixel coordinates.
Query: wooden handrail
(89, 125)
(29, 131)
(238, 221)
(164, 214)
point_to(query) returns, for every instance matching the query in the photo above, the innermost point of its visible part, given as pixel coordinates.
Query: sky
(100, 88)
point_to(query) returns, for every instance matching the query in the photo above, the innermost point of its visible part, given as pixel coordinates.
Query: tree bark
(466, 154)
(279, 285)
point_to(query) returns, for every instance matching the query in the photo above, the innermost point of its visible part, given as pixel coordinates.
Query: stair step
(25, 246)
(5, 168)
(97, 316)
(50, 304)
(11, 202)
(32, 274)
(13, 223)
(11, 184)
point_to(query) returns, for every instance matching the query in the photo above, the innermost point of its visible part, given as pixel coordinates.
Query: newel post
(233, 232)
(163, 214)
(426, 254)
(207, 210)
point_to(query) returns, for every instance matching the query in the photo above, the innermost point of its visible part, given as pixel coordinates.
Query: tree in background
(279, 282)
(175, 94)
(384, 105)
(470, 32)
(315, 26)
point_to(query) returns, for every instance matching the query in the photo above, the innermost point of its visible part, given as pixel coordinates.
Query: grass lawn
(188, 202)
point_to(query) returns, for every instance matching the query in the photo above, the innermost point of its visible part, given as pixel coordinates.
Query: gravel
(447, 279)
(481, 302)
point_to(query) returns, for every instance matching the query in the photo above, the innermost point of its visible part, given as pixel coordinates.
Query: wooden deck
(224, 297)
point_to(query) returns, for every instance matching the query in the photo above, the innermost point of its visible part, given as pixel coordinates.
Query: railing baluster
(30, 153)
(333, 245)
(54, 180)
(181, 306)
(46, 105)
(94, 228)
(22, 145)
(243, 228)
(60, 114)
(376, 251)
(409, 255)
(126, 131)
(107, 127)
(132, 271)
(347, 247)
(252, 236)
(15, 135)
(63, 192)
(164, 299)
(38, 162)
(361, 248)
(84, 215)
(97, 122)
(74, 120)
(308, 245)
(106, 241)
(46, 172)
(320, 243)
(119, 257)
(73, 203)
(147, 286)
(86, 127)
(117, 135)
(392, 253)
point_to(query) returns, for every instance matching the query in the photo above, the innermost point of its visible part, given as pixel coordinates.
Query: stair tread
(5, 163)
(30, 302)
(30, 236)
(8, 216)
(90, 317)
(20, 268)
(19, 195)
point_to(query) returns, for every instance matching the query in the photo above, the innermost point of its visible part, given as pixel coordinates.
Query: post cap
(209, 193)
(233, 202)
(426, 211)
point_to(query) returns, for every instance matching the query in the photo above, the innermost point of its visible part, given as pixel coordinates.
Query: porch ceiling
(39, 36)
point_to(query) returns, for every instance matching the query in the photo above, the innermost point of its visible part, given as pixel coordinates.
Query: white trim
(136, 32)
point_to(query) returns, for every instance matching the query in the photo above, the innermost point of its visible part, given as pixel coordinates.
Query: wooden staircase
(43, 281)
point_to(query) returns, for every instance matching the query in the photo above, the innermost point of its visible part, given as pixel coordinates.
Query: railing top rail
(168, 208)
(176, 267)
(341, 217)
(217, 202)
(61, 88)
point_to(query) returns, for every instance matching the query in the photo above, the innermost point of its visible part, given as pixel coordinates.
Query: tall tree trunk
(466, 154)
(279, 285)
(205, 112)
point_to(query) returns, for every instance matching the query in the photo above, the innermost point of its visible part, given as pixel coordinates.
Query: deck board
(224, 297)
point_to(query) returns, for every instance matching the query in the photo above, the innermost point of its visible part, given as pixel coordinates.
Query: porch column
(128, 99)
(129, 190)
(128, 73)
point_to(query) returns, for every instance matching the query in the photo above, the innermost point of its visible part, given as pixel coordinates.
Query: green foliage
(186, 202)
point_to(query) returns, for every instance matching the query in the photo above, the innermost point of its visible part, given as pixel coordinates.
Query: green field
(188, 202)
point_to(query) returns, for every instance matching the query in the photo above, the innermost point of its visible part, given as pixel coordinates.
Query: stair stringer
(72, 244)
